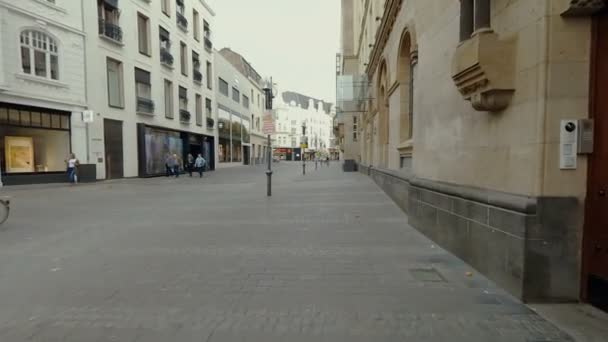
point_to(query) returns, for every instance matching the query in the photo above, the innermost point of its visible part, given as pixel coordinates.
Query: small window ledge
(52, 5)
(406, 147)
(483, 70)
(167, 65)
(184, 122)
(145, 114)
(198, 83)
(42, 80)
(110, 40)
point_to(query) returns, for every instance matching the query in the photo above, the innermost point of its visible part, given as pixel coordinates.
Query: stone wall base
(527, 245)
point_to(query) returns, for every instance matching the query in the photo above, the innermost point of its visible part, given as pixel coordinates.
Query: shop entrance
(112, 133)
(246, 155)
(595, 250)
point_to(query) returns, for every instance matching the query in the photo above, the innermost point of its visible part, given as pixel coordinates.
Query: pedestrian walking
(190, 163)
(199, 164)
(168, 165)
(175, 165)
(72, 168)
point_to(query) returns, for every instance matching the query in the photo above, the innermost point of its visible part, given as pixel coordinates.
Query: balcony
(145, 106)
(109, 30)
(182, 22)
(166, 58)
(208, 43)
(198, 76)
(210, 122)
(184, 116)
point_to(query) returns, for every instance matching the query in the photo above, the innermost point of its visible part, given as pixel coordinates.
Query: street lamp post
(304, 142)
(269, 96)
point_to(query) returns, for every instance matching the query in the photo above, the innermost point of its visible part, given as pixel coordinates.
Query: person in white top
(72, 164)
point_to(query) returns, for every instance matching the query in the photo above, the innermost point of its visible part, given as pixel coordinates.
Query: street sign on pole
(268, 123)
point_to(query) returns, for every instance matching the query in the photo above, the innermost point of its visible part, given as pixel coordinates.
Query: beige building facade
(468, 113)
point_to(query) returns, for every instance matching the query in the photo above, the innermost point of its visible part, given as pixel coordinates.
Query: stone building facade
(469, 114)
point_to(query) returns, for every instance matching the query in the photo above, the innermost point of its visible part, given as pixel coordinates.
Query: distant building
(293, 110)
(255, 99)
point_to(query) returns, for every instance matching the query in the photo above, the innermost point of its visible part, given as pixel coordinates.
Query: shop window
(32, 140)
(39, 55)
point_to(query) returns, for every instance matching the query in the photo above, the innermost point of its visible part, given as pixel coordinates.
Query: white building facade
(293, 111)
(42, 89)
(149, 83)
(240, 104)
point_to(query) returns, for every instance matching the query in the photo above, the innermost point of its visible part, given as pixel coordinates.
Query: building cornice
(386, 27)
(41, 18)
(206, 5)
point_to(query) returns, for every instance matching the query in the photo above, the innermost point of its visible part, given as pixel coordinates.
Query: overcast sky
(295, 41)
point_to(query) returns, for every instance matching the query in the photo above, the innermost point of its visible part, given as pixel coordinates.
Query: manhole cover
(427, 275)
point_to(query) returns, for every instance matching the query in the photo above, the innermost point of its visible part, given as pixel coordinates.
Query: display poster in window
(19, 154)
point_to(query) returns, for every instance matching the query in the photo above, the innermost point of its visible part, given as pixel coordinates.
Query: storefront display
(33, 140)
(157, 145)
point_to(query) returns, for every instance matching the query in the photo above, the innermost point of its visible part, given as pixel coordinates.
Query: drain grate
(427, 275)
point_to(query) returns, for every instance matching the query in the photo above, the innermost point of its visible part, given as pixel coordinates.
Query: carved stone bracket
(578, 8)
(483, 70)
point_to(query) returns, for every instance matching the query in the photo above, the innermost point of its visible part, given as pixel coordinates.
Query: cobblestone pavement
(328, 258)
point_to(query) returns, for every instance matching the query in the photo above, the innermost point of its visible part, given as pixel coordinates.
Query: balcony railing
(184, 115)
(208, 44)
(182, 22)
(210, 122)
(145, 105)
(197, 75)
(166, 57)
(109, 30)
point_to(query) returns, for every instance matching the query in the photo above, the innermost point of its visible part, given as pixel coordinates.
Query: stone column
(482, 15)
(466, 19)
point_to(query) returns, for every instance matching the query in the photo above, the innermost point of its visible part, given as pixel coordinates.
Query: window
(207, 34)
(199, 110)
(196, 65)
(258, 100)
(208, 108)
(209, 75)
(223, 87)
(143, 89)
(183, 57)
(245, 101)
(474, 16)
(166, 7)
(143, 33)
(355, 128)
(196, 26)
(108, 15)
(183, 104)
(166, 57)
(168, 99)
(39, 55)
(115, 83)
(180, 14)
(236, 95)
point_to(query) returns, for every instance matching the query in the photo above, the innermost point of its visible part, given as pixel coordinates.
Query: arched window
(406, 69)
(39, 55)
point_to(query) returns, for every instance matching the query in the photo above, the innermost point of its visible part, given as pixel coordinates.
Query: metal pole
(269, 171)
